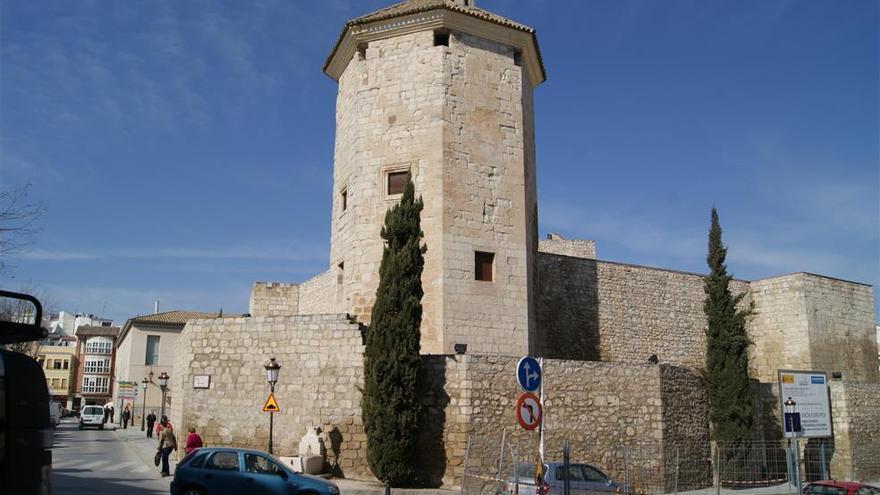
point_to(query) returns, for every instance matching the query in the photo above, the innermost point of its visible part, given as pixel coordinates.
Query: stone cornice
(353, 36)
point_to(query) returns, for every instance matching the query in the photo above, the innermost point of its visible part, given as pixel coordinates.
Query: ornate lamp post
(272, 368)
(163, 384)
(144, 382)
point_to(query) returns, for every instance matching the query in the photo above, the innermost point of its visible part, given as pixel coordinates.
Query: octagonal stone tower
(440, 90)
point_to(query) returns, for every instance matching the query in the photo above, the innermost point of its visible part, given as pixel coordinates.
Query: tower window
(344, 199)
(362, 51)
(340, 276)
(484, 266)
(397, 182)
(517, 58)
(441, 38)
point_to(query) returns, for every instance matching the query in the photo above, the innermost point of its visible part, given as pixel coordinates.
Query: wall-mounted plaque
(201, 381)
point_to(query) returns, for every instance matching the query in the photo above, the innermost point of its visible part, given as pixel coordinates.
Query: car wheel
(192, 491)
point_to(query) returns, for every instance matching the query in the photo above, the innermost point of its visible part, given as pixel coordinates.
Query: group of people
(110, 413)
(168, 441)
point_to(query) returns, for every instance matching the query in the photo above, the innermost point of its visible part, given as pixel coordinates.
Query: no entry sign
(528, 411)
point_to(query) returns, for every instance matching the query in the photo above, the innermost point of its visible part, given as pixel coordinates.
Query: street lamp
(272, 368)
(144, 382)
(793, 426)
(163, 384)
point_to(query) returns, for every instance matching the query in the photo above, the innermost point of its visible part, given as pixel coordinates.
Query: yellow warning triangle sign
(271, 404)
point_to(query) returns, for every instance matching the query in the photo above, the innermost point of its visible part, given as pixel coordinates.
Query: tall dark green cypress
(390, 402)
(727, 360)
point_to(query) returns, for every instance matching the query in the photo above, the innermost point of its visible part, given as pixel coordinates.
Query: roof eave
(519, 37)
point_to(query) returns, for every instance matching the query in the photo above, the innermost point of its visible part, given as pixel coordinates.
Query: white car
(92, 416)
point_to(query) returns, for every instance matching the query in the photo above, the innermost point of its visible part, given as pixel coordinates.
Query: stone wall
(600, 310)
(273, 299)
(576, 248)
(321, 358)
(855, 411)
(321, 294)
(800, 318)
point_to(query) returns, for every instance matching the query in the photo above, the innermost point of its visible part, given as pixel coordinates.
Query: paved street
(104, 462)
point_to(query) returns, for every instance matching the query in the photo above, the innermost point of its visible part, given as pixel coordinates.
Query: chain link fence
(504, 463)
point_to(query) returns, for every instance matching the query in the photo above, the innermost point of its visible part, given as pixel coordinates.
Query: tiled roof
(414, 6)
(177, 317)
(92, 330)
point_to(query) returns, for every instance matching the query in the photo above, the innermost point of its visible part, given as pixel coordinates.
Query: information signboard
(809, 391)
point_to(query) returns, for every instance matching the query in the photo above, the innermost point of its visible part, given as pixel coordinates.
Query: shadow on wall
(567, 309)
(333, 467)
(431, 454)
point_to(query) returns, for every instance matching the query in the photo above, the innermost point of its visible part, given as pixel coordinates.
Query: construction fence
(505, 463)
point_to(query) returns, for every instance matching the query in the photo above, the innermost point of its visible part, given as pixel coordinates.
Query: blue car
(221, 471)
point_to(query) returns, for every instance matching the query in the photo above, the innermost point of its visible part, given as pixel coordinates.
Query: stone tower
(440, 90)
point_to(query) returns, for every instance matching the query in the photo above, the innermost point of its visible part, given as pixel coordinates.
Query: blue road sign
(793, 422)
(528, 373)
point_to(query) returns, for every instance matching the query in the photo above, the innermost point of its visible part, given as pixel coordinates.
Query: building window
(56, 364)
(340, 276)
(66, 364)
(56, 383)
(64, 383)
(96, 365)
(94, 385)
(517, 58)
(483, 266)
(397, 182)
(344, 199)
(152, 350)
(98, 345)
(362, 51)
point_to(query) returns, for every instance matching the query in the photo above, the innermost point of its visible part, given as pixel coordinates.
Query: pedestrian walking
(193, 441)
(106, 413)
(126, 417)
(167, 443)
(111, 413)
(151, 420)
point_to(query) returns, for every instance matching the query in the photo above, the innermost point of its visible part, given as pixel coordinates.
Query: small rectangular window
(397, 182)
(152, 357)
(483, 266)
(517, 58)
(66, 364)
(441, 38)
(362, 51)
(56, 364)
(340, 277)
(344, 199)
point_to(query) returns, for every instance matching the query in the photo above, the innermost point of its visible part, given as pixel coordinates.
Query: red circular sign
(528, 410)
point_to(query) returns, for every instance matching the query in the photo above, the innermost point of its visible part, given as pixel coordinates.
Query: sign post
(806, 412)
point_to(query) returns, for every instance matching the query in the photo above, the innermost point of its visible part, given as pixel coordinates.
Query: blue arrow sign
(528, 373)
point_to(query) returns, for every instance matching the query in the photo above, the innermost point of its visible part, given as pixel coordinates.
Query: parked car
(54, 413)
(583, 479)
(92, 416)
(831, 487)
(220, 471)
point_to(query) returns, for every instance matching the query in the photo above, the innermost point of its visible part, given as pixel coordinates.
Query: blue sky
(183, 150)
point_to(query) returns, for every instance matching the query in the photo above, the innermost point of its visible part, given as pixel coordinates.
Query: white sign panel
(809, 390)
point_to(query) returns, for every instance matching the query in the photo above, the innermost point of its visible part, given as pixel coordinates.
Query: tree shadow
(431, 453)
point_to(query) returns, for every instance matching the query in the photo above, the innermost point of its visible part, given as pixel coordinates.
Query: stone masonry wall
(589, 309)
(576, 248)
(320, 294)
(321, 358)
(273, 299)
(855, 412)
(810, 322)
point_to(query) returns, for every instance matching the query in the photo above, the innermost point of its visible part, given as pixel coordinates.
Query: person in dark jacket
(151, 420)
(126, 417)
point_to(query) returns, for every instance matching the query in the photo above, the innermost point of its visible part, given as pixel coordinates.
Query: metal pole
(271, 417)
(822, 459)
(797, 463)
(566, 451)
(144, 410)
(543, 411)
(467, 452)
(717, 475)
(677, 464)
(501, 454)
(162, 412)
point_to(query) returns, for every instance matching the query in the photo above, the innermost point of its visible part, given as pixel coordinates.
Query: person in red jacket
(193, 441)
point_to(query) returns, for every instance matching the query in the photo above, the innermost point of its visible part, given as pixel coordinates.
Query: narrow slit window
(344, 199)
(397, 182)
(340, 277)
(484, 266)
(517, 58)
(441, 38)
(362, 51)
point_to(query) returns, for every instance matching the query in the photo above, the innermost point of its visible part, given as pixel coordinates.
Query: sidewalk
(144, 448)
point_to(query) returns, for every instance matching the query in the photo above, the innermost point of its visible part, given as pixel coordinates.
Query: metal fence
(504, 463)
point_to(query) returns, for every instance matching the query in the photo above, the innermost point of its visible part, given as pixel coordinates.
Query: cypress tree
(727, 361)
(390, 402)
